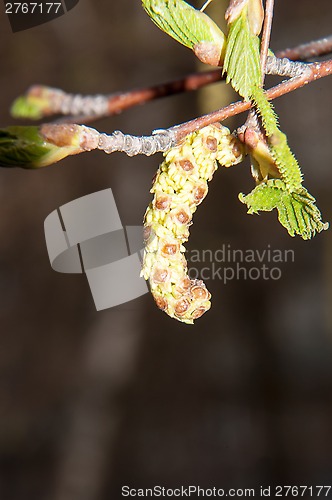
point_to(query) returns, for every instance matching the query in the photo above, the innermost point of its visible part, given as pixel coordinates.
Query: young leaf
(188, 26)
(242, 59)
(286, 162)
(242, 63)
(297, 212)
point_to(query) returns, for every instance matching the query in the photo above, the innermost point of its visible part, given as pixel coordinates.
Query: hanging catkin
(180, 185)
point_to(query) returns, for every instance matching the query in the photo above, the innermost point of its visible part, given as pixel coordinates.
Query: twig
(284, 67)
(202, 9)
(60, 102)
(265, 43)
(308, 50)
(89, 139)
(162, 140)
(313, 72)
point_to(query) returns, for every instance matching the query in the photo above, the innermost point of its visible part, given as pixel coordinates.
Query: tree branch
(313, 72)
(162, 140)
(89, 108)
(308, 50)
(266, 35)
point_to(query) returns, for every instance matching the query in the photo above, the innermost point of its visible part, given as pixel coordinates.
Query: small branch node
(285, 67)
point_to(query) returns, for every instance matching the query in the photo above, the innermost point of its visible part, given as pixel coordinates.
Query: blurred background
(91, 401)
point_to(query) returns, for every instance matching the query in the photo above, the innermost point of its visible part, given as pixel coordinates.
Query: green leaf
(25, 147)
(297, 212)
(187, 25)
(242, 59)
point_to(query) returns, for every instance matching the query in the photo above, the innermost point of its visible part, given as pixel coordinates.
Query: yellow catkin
(180, 185)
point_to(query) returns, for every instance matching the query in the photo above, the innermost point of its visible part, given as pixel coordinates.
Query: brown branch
(314, 72)
(163, 140)
(86, 139)
(120, 102)
(309, 50)
(265, 43)
(191, 82)
(116, 103)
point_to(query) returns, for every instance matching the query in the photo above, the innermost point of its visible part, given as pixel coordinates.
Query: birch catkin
(180, 185)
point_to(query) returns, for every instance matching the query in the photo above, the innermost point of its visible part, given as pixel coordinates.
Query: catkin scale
(179, 186)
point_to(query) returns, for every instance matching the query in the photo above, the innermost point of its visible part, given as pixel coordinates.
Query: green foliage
(297, 212)
(242, 63)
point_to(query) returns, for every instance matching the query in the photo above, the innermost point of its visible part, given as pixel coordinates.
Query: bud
(263, 164)
(39, 101)
(255, 16)
(255, 13)
(190, 27)
(27, 147)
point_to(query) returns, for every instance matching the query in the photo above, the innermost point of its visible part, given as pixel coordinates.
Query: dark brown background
(93, 401)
